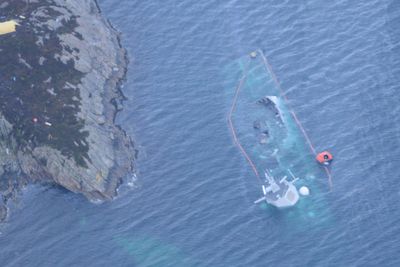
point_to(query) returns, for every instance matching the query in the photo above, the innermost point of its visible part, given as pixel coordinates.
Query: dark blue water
(338, 61)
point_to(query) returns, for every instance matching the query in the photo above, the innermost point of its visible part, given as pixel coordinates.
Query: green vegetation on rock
(39, 92)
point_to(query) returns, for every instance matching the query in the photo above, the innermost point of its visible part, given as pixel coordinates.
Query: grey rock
(95, 49)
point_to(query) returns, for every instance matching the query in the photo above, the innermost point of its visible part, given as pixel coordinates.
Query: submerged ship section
(269, 135)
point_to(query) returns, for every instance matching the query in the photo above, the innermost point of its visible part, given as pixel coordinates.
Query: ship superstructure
(281, 193)
(269, 135)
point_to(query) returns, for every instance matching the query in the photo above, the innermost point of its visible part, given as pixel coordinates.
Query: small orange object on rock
(324, 158)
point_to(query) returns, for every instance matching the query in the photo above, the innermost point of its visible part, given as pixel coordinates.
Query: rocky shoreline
(60, 77)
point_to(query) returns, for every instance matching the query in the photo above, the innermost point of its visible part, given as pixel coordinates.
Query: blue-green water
(284, 151)
(338, 61)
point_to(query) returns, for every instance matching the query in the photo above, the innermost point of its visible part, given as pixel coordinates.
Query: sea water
(339, 64)
(283, 151)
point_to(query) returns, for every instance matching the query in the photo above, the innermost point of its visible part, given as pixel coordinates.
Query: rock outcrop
(60, 74)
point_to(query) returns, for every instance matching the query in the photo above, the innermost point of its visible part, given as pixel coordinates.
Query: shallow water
(338, 61)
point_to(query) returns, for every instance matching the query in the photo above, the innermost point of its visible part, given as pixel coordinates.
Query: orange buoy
(324, 158)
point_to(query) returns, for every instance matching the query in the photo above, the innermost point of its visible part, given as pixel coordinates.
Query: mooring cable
(235, 138)
(268, 68)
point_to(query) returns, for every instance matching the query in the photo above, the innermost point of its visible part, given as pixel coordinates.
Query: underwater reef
(60, 77)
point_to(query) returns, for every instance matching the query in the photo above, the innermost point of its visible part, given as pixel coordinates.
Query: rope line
(313, 150)
(235, 138)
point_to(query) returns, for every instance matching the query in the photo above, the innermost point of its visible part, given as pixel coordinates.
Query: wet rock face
(59, 78)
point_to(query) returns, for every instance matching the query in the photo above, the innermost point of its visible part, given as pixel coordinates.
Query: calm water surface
(338, 61)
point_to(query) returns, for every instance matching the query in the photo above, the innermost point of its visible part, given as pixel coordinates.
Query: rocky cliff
(59, 92)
